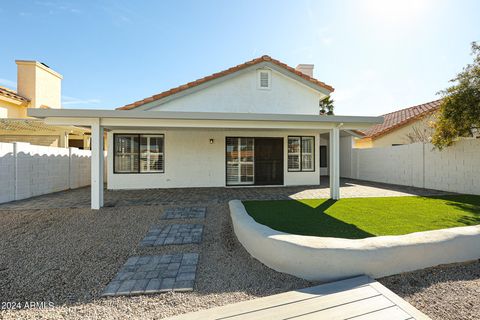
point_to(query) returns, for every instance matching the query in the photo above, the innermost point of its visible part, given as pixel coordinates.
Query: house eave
(177, 115)
(15, 101)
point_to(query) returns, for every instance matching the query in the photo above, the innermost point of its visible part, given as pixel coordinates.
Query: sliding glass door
(240, 156)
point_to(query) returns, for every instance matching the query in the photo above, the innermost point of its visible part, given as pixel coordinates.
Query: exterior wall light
(212, 141)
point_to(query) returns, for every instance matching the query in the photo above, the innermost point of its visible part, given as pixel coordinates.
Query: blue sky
(379, 55)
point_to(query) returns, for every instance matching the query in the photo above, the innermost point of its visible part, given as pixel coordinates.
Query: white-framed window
(264, 79)
(308, 154)
(139, 153)
(151, 153)
(294, 154)
(126, 153)
(301, 153)
(240, 158)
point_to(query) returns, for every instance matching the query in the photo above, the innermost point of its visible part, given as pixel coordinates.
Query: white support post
(97, 165)
(334, 165)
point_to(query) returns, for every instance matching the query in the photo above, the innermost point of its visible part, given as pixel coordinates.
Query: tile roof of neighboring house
(224, 73)
(12, 94)
(360, 133)
(35, 125)
(397, 119)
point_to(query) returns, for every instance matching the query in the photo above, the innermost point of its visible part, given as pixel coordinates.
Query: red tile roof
(12, 94)
(360, 133)
(224, 73)
(400, 118)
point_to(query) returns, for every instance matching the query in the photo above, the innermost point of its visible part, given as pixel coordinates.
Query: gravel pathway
(67, 257)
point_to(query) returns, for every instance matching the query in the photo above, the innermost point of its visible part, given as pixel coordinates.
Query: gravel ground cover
(67, 256)
(444, 292)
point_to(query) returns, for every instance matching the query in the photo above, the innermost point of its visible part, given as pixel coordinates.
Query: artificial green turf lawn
(357, 218)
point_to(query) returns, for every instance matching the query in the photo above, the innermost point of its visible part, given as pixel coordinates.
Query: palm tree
(326, 106)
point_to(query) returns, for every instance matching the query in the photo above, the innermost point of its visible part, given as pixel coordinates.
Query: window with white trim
(301, 154)
(294, 154)
(240, 158)
(139, 153)
(264, 79)
(126, 153)
(151, 153)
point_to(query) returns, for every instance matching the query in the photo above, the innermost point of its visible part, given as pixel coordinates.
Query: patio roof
(201, 119)
(35, 125)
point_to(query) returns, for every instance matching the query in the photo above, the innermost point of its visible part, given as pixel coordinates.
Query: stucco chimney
(305, 69)
(37, 82)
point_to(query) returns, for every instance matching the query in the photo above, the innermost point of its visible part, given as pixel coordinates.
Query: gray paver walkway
(154, 274)
(185, 213)
(173, 234)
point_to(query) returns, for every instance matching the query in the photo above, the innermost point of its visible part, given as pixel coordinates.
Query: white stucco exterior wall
(240, 94)
(346, 144)
(191, 161)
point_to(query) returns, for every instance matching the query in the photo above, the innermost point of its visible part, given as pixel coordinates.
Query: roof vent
(264, 79)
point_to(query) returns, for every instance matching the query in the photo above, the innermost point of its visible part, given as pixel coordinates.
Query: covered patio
(192, 161)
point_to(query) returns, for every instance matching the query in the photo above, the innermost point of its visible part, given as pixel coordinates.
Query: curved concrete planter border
(325, 259)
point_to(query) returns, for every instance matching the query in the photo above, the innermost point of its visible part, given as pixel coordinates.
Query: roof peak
(263, 58)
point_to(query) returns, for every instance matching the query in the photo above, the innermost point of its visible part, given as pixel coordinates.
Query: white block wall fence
(28, 170)
(454, 169)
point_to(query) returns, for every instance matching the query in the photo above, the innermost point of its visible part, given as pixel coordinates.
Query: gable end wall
(240, 94)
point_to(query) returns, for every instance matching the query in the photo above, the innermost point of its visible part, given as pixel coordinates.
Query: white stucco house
(257, 123)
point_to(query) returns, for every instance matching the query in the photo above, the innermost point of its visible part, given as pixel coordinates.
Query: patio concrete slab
(192, 197)
(173, 234)
(154, 274)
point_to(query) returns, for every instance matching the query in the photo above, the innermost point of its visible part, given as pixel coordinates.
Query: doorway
(268, 161)
(254, 161)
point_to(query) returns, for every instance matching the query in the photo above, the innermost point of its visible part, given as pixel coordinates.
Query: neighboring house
(257, 123)
(38, 86)
(400, 127)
